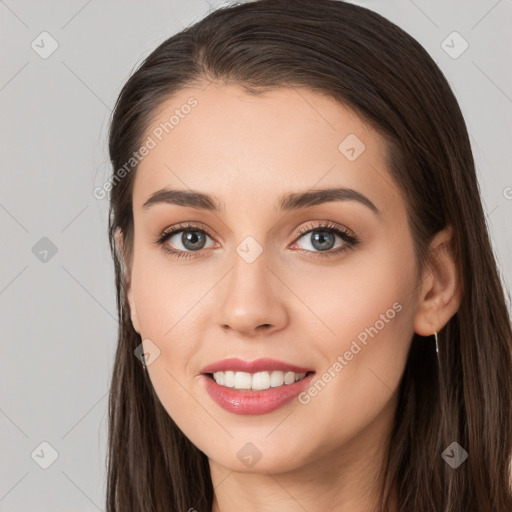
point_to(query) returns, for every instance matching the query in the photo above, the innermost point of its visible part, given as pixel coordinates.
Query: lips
(258, 365)
(254, 402)
(249, 402)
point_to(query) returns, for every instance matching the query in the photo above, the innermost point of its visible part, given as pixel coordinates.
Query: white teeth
(229, 379)
(260, 380)
(221, 378)
(256, 381)
(289, 378)
(243, 380)
(276, 379)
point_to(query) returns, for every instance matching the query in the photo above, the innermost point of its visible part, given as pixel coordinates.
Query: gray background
(57, 311)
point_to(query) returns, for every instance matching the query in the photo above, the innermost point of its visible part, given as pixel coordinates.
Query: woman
(310, 312)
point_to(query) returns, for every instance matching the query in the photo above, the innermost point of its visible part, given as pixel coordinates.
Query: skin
(249, 150)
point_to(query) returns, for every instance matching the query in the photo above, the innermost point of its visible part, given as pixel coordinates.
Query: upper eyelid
(328, 226)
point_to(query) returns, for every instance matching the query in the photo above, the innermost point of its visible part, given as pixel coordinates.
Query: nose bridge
(250, 272)
(248, 298)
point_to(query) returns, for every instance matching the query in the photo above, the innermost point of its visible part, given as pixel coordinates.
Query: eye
(191, 237)
(322, 238)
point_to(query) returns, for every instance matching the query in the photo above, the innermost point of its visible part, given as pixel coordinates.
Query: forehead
(223, 140)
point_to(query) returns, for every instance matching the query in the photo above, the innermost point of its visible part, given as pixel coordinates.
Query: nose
(251, 301)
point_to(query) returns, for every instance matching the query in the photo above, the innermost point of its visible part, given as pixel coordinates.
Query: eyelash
(348, 237)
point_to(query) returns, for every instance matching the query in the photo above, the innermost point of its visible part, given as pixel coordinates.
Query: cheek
(368, 291)
(169, 313)
(370, 316)
(165, 294)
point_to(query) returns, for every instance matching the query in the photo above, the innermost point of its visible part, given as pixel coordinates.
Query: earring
(143, 361)
(437, 345)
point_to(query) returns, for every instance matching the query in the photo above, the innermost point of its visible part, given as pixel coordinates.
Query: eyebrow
(287, 202)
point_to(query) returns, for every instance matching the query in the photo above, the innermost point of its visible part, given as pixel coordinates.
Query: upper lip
(258, 365)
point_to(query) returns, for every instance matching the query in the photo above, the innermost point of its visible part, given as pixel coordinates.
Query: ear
(440, 293)
(126, 270)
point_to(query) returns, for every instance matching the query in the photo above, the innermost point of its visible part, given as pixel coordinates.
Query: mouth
(254, 387)
(244, 393)
(258, 381)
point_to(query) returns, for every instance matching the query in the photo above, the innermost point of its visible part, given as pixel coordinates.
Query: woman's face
(263, 278)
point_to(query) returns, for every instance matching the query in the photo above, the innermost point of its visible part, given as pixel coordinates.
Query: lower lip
(254, 402)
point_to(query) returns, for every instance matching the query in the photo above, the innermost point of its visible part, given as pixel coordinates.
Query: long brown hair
(366, 62)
